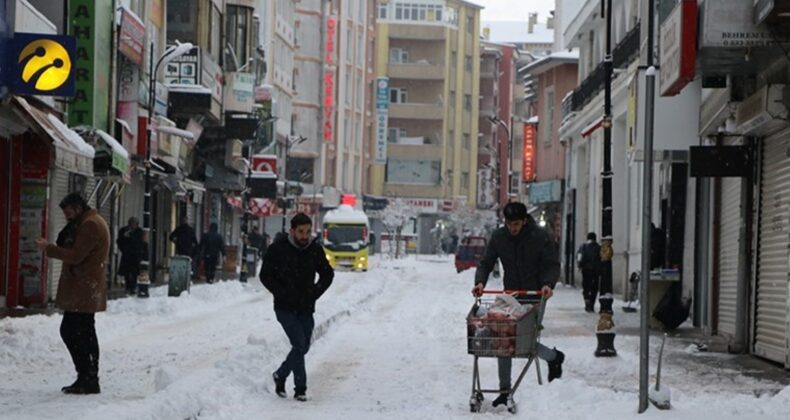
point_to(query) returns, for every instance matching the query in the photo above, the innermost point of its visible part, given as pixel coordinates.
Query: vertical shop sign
(382, 110)
(329, 79)
(528, 161)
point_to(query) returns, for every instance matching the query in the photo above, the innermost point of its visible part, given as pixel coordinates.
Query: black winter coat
(530, 259)
(288, 272)
(211, 245)
(185, 240)
(131, 243)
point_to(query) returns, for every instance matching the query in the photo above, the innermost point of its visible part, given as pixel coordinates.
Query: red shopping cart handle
(513, 292)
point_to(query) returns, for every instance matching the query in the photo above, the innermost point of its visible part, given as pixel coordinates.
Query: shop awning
(263, 207)
(72, 153)
(120, 157)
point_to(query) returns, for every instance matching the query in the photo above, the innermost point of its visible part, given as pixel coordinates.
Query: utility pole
(605, 330)
(647, 216)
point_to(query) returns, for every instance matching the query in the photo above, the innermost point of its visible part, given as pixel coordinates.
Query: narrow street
(389, 344)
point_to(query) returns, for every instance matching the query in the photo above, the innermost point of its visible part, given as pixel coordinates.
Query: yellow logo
(45, 64)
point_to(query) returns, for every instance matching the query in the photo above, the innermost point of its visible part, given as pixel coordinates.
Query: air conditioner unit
(763, 112)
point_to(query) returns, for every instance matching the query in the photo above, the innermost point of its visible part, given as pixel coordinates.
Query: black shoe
(78, 382)
(589, 306)
(83, 387)
(300, 395)
(279, 386)
(555, 366)
(501, 399)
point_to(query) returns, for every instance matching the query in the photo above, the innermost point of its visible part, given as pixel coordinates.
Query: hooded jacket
(83, 280)
(530, 259)
(289, 271)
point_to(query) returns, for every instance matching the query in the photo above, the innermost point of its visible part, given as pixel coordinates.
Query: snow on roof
(346, 214)
(558, 57)
(533, 120)
(76, 141)
(517, 32)
(185, 88)
(116, 147)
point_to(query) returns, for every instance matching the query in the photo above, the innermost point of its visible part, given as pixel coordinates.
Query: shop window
(421, 172)
(237, 32)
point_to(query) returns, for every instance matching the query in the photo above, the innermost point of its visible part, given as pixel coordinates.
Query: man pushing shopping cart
(531, 263)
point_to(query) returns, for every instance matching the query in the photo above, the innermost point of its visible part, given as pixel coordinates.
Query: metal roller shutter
(771, 323)
(728, 253)
(59, 188)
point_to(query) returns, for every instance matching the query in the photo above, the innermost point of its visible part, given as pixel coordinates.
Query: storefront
(45, 161)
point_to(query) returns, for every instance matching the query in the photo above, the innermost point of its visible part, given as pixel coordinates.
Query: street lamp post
(495, 120)
(288, 143)
(148, 266)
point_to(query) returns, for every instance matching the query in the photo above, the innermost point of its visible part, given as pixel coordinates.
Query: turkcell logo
(42, 64)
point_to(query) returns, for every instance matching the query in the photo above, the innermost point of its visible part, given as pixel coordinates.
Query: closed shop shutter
(771, 321)
(728, 253)
(59, 188)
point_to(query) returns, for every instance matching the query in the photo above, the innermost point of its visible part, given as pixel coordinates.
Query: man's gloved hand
(477, 291)
(547, 292)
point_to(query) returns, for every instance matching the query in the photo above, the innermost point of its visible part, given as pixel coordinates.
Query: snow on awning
(533, 120)
(185, 88)
(72, 153)
(587, 131)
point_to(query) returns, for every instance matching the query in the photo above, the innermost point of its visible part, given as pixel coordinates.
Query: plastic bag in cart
(508, 306)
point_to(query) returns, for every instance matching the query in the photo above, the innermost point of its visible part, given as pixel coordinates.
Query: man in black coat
(288, 272)
(131, 243)
(589, 260)
(184, 238)
(531, 262)
(211, 246)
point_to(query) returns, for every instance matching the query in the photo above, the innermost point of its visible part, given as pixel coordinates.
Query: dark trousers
(130, 280)
(78, 332)
(210, 265)
(298, 326)
(590, 279)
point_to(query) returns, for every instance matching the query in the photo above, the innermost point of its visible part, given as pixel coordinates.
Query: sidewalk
(684, 364)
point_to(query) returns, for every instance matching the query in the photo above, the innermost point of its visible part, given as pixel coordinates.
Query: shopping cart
(493, 336)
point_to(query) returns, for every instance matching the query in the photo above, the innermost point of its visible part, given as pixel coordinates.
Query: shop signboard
(382, 111)
(545, 192)
(42, 64)
(131, 40)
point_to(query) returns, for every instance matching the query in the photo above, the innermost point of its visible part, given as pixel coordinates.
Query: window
(300, 169)
(398, 96)
(468, 63)
(465, 180)
(470, 24)
(383, 11)
(452, 16)
(421, 172)
(399, 56)
(394, 134)
(182, 19)
(349, 88)
(452, 99)
(360, 49)
(549, 115)
(214, 46)
(467, 141)
(453, 58)
(349, 45)
(398, 11)
(468, 102)
(237, 30)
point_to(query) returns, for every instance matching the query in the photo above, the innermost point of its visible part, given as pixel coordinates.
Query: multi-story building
(530, 36)
(428, 59)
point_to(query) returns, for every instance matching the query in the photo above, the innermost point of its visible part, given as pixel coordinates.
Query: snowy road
(389, 344)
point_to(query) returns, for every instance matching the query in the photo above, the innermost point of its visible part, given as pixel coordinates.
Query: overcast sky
(514, 9)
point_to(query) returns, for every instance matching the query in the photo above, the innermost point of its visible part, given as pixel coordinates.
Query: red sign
(678, 48)
(528, 160)
(329, 79)
(131, 40)
(264, 163)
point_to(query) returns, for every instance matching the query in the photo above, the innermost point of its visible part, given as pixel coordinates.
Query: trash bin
(251, 261)
(180, 268)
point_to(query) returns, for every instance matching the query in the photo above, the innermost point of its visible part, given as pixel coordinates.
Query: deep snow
(389, 343)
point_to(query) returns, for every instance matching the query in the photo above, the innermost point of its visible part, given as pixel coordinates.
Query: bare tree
(395, 216)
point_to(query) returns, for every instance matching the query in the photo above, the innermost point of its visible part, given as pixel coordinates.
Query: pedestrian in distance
(82, 289)
(131, 243)
(288, 272)
(530, 262)
(184, 238)
(588, 259)
(211, 247)
(254, 239)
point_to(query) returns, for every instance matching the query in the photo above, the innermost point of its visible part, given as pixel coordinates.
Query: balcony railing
(622, 54)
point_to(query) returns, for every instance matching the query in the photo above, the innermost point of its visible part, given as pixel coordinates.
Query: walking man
(131, 243)
(589, 260)
(82, 290)
(184, 238)
(530, 261)
(211, 246)
(288, 272)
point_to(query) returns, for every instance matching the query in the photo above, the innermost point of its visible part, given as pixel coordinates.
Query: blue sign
(382, 111)
(41, 64)
(545, 192)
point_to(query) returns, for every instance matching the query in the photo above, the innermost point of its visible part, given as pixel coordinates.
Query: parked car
(469, 252)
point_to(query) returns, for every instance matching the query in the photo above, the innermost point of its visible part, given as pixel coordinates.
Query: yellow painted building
(430, 53)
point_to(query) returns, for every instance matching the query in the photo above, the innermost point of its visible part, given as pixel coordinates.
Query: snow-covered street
(389, 343)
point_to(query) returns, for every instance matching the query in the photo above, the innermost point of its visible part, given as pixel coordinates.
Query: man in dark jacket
(131, 243)
(184, 238)
(530, 262)
(211, 246)
(589, 260)
(82, 289)
(288, 272)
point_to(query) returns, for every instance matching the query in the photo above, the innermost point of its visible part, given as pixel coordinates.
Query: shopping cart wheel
(479, 396)
(474, 408)
(474, 402)
(511, 405)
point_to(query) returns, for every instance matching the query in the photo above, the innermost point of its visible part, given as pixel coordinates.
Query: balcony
(425, 151)
(488, 107)
(417, 31)
(415, 71)
(622, 54)
(416, 111)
